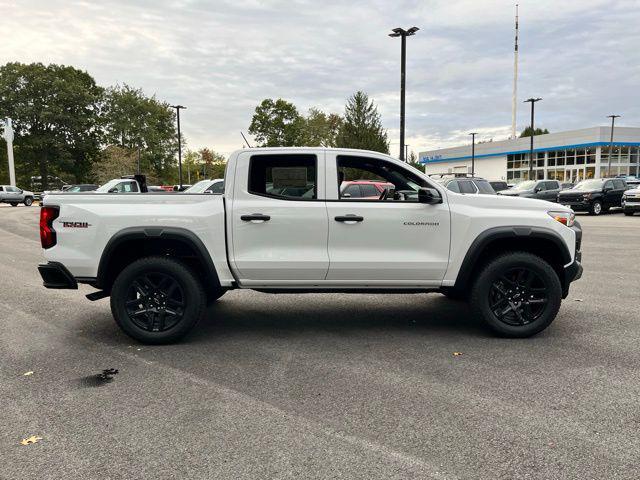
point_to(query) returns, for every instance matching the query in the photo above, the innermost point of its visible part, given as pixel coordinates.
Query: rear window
(369, 190)
(283, 176)
(484, 187)
(453, 186)
(466, 186)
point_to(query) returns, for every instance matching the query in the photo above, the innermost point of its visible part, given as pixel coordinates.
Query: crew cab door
(396, 241)
(278, 218)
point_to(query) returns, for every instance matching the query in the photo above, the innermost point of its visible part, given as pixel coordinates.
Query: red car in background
(367, 189)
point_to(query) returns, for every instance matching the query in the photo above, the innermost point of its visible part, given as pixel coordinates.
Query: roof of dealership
(583, 138)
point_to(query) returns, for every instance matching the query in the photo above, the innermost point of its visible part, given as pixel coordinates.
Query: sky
(221, 58)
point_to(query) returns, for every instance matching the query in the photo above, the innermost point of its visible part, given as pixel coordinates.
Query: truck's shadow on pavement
(306, 315)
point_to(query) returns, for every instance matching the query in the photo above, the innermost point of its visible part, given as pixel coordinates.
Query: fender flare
(496, 233)
(168, 233)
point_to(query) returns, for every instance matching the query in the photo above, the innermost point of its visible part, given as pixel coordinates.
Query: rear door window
(290, 177)
(618, 184)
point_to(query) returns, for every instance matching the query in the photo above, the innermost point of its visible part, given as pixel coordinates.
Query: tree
(320, 129)
(114, 162)
(56, 111)
(527, 132)
(214, 163)
(362, 127)
(277, 124)
(133, 120)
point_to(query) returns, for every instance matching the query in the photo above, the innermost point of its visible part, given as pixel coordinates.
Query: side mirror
(607, 189)
(345, 195)
(209, 192)
(113, 190)
(429, 195)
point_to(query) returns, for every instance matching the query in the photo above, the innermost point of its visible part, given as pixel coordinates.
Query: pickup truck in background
(14, 196)
(281, 226)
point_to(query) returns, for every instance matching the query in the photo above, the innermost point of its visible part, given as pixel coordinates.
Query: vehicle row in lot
(631, 201)
(595, 195)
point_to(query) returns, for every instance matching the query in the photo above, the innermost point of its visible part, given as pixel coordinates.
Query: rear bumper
(56, 275)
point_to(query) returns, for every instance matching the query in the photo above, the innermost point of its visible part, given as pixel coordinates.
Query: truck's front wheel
(517, 294)
(157, 300)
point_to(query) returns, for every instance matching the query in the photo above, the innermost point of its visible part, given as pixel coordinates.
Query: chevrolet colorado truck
(281, 226)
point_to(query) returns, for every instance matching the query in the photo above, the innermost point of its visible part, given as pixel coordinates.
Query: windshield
(199, 187)
(108, 186)
(589, 185)
(527, 185)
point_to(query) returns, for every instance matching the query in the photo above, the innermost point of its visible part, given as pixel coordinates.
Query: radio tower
(515, 81)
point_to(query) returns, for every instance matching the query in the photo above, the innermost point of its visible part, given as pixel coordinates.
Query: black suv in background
(595, 196)
(540, 189)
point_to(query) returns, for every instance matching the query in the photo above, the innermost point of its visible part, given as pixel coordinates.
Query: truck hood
(507, 202)
(511, 193)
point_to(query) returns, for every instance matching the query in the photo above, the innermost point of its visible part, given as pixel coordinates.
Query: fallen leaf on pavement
(28, 374)
(579, 300)
(108, 374)
(30, 440)
(457, 354)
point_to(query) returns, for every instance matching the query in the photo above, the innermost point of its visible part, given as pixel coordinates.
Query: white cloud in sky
(221, 58)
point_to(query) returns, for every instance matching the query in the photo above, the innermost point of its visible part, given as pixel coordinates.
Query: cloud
(221, 58)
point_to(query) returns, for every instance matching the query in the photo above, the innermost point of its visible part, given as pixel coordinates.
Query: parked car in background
(83, 187)
(540, 189)
(15, 195)
(364, 189)
(499, 185)
(595, 196)
(128, 184)
(207, 186)
(178, 188)
(472, 185)
(631, 201)
(566, 185)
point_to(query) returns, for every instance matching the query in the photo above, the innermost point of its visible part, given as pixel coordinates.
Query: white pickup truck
(280, 226)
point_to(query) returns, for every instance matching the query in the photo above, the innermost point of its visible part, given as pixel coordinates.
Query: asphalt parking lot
(323, 386)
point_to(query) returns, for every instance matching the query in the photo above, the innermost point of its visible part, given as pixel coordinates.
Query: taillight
(47, 233)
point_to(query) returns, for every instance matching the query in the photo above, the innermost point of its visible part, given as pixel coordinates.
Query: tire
(453, 294)
(28, 201)
(502, 275)
(14, 204)
(214, 295)
(628, 213)
(596, 208)
(157, 300)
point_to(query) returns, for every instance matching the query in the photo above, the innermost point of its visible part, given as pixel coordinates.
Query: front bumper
(56, 275)
(576, 205)
(630, 206)
(573, 271)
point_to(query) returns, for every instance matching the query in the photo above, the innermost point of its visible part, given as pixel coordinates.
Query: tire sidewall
(596, 210)
(191, 287)
(480, 294)
(28, 201)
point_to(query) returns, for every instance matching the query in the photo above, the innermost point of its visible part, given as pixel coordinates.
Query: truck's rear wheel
(517, 294)
(28, 201)
(157, 300)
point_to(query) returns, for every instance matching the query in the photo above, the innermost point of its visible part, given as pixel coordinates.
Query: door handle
(255, 216)
(349, 218)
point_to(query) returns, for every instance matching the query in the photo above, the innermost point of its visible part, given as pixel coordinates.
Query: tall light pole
(178, 107)
(406, 151)
(613, 121)
(8, 136)
(532, 101)
(473, 153)
(403, 34)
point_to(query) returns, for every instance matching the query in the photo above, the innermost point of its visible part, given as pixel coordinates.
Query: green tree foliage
(212, 163)
(527, 132)
(55, 109)
(277, 124)
(113, 162)
(362, 127)
(320, 129)
(133, 120)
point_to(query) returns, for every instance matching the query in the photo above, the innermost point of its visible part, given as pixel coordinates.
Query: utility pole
(473, 153)
(8, 136)
(532, 101)
(406, 152)
(613, 121)
(178, 107)
(403, 34)
(515, 82)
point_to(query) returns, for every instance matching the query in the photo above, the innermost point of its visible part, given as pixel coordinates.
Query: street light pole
(406, 152)
(178, 107)
(8, 136)
(403, 34)
(473, 153)
(613, 121)
(532, 101)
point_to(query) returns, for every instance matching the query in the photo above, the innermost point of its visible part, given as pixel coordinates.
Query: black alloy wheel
(155, 302)
(518, 297)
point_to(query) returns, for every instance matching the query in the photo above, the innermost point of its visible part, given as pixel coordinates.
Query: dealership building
(566, 156)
